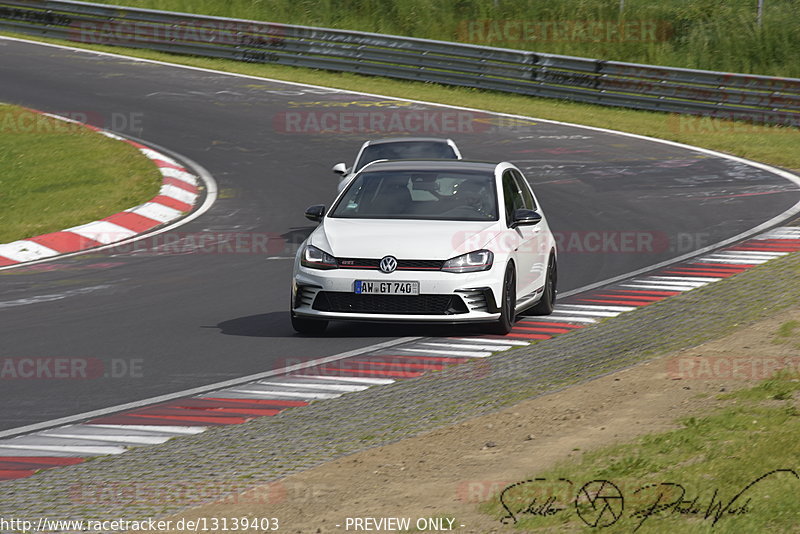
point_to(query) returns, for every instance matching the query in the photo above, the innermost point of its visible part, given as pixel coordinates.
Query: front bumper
(444, 297)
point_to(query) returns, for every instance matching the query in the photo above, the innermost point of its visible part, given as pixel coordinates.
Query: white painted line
(184, 176)
(748, 254)
(601, 308)
(735, 259)
(178, 194)
(642, 285)
(566, 319)
(51, 297)
(133, 439)
(176, 430)
(793, 236)
(668, 284)
(107, 134)
(199, 390)
(345, 379)
(590, 313)
(753, 253)
(103, 232)
(24, 250)
(77, 450)
(93, 430)
(280, 395)
(509, 342)
(59, 117)
(686, 278)
(493, 348)
(158, 156)
(157, 212)
(315, 385)
(731, 261)
(464, 353)
(779, 234)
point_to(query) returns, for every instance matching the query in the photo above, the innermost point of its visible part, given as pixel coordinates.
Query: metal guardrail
(753, 98)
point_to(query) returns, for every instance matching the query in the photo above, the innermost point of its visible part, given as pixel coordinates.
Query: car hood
(403, 239)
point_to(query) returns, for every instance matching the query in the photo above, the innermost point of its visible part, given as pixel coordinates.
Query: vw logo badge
(388, 264)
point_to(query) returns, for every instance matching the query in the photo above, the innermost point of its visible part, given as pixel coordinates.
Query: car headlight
(317, 258)
(480, 260)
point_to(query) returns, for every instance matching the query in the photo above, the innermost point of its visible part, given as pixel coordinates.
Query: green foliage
(56, 175)
(708, 34)
(723, 452)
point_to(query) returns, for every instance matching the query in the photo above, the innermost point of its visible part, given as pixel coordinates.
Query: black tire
(309, 327)
(547, 303)
(508, 303)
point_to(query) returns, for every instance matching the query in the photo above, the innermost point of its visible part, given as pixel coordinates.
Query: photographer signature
(601, 503)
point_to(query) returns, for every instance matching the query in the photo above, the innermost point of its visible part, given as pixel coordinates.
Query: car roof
(430, 164)
(407, 140)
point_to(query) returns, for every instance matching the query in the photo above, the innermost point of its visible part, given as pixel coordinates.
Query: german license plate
(376, 287)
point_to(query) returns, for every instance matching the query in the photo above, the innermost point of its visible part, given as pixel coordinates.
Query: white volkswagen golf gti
(427, 241)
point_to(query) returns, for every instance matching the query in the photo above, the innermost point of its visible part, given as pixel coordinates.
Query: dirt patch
(447, 472)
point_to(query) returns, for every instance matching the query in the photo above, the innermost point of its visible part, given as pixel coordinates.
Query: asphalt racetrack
(170, 315)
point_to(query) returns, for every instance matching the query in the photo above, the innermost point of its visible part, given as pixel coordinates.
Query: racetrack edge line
(198, 390)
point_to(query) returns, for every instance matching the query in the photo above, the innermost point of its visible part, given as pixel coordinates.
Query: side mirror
(315, 213)
(340, 168)
(525, 217)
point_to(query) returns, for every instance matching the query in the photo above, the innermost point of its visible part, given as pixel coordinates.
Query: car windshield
(427, 195)
(406, 150)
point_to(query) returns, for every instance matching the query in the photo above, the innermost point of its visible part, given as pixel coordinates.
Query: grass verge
(708, 34)
(775, 145)
(56, 175)
(732, 471)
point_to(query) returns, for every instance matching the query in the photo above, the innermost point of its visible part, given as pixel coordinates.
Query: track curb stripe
(381, 366)
(178, 195)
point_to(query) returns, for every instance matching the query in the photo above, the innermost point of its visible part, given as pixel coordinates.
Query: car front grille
(341, 302)
(476, 299)
(402, 265)
(303, 296)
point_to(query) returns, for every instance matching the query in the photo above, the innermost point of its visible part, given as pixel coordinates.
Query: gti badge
(388, 264)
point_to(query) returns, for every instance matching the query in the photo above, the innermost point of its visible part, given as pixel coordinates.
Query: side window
(525, 189)
(511, 196)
